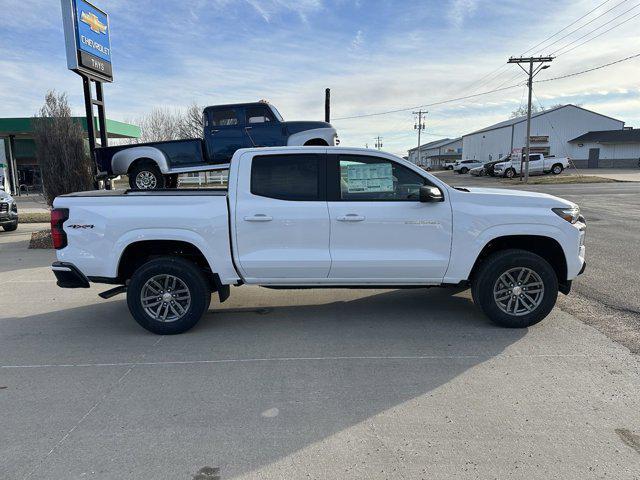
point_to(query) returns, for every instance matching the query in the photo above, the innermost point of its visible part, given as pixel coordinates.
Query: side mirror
(431, 194)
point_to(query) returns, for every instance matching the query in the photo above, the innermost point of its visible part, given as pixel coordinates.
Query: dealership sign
(86, 33)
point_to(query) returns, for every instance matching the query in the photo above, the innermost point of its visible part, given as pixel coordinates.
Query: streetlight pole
(530, 74)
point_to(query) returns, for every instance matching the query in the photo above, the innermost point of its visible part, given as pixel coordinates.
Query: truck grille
(4, 207)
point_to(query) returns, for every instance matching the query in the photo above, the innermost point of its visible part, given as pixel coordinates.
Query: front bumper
(68, 275)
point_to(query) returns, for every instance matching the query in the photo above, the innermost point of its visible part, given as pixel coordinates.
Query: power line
(563, 29)
(427, 104)
(600, 34)
(589, 70)
(588, 23)
(599, 67)
(494, 74)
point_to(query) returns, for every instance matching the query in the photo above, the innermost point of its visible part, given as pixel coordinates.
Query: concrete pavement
(304, 384)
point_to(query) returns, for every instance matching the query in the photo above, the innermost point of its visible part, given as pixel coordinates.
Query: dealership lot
(327, 383)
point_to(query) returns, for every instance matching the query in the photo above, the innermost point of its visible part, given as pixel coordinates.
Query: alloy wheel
(518, 291)
(165, 298)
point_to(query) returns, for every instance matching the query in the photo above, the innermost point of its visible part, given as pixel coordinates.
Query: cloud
(357, 41)
(460, 10)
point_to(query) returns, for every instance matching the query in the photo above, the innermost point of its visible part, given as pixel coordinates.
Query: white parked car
(449, 165)
(538, 164)
(318, 217)
(463, 166)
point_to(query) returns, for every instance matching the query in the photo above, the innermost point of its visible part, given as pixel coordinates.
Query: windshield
(276, 113)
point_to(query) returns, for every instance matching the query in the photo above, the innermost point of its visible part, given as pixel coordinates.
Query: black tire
(10, 228)
(510, 173)
(557, 169)
(153, 178)
(488, 276)
(189, 274)
(464, 170)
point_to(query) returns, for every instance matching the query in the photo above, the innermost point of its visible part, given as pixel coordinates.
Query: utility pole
(530, 74)
(327, 105)
(419, 126)
(379, 142)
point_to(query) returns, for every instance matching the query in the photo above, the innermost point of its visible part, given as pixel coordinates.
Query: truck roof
(230, 105)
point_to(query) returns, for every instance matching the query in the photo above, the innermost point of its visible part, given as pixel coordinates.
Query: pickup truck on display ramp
(226, 129)
(538, 164)
(318, 217)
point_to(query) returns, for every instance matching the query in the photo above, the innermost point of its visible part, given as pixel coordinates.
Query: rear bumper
(68, 275)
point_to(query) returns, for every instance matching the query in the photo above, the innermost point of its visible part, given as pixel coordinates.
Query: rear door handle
(351, 217)
(258, 217)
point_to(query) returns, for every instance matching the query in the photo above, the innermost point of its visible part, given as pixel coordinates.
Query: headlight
(570, 214)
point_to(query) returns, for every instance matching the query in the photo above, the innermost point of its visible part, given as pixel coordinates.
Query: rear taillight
(58, 235)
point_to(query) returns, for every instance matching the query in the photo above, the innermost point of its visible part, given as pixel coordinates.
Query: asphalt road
(348, 384)
(607, 295)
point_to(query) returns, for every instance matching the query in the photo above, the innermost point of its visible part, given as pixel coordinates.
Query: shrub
(61, 151)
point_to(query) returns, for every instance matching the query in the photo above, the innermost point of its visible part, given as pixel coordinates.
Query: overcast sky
(374, 55)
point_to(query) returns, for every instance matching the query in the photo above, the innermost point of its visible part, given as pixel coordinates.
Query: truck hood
(301, 126)
(503, 196)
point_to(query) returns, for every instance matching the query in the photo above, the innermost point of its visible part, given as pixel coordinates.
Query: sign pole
(88, 46)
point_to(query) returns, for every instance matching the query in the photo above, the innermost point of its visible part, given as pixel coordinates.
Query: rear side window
(223, 118)
(286, 177)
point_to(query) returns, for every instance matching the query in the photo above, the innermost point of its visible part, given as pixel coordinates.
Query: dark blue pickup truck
(226, 129)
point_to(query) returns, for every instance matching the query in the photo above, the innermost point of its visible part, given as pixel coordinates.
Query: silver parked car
(8, 211)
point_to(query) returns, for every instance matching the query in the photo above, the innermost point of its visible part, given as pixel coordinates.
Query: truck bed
(179, 153)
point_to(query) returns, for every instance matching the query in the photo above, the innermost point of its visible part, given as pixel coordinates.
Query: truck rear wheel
(168, 295)
(515, 288)
(146, 176)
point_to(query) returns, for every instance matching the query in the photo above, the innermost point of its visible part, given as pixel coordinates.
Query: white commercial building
(437, 153)
(552, 132)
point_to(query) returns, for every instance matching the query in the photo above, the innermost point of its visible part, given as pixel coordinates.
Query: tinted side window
(286, 177)
(223, 118)
(259, 115)
(373, 178)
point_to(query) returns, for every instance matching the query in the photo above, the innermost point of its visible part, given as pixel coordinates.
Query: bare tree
(60, 149)
(191, 125)
(158, 125)
(521, 111)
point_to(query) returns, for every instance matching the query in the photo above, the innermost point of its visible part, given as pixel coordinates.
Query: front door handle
(351, 217)
(258, 217)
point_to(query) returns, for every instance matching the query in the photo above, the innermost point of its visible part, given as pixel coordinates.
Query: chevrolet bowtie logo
(94, 23)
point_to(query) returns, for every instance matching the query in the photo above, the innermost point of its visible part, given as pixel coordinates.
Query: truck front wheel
(515, 288)
(168, 295)
(146, 176)
(557, 169)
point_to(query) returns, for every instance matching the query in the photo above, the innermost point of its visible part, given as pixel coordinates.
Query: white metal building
(437, 153)
(551, 133)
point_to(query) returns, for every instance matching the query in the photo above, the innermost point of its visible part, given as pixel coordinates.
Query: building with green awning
(17, 155)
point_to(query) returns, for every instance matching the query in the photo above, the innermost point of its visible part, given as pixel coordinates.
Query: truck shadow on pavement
(248, 389)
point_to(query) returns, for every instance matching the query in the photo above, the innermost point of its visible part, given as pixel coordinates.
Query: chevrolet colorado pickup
(295, 217)
(226, 129)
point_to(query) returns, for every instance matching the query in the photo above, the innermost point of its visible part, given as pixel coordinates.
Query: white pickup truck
(318, 217)
(538, 164)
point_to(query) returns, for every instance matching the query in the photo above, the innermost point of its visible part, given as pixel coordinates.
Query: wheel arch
(123, 160)
(541, 245)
